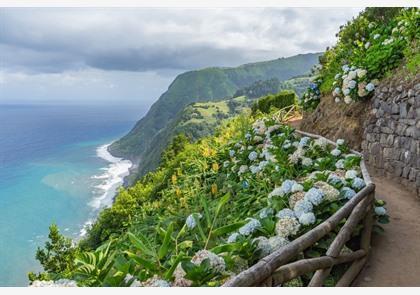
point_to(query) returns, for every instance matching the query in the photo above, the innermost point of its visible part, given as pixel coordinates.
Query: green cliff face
(146, 141)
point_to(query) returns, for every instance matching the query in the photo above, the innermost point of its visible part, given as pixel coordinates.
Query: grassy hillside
(202, 85)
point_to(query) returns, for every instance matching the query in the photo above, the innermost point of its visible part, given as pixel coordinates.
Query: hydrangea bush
(368, 48)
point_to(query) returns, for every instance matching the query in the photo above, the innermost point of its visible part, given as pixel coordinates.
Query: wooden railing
(277, 267)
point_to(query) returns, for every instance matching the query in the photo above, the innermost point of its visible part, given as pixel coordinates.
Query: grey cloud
(54, 40)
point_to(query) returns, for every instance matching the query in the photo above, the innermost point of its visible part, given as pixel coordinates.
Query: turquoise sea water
(52, 171)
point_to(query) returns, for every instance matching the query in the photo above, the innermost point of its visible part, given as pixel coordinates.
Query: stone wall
(391, 137)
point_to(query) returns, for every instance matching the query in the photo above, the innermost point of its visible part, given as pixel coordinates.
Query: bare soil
(395, 255)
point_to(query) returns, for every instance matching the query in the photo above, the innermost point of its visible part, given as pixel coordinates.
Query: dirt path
(395, 256)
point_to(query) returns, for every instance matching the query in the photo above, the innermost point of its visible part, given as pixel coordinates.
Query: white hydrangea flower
(337, 100)
(277, 192)
(314, 195)
(351, 174)
(286, 213)
(361, 72)
(376, 36)
(339, 164)
(254, 169)
(358, 183)
(231, 153)
(347, 193)
(253, 156)
(248, 136)
(233, 237)
(351, 75)
(287, 226)
(155, 281)
(216, 263)
(276, 243)
(336, 152)
(307, 218)
(297, 187)
(380, 211)
(321, 142)
(252, 225)
(330, 192)
(243, 169)
(302, 206)
(347, 99)
(306, 161)
(367, 45)
(337, 76)
(340, 141)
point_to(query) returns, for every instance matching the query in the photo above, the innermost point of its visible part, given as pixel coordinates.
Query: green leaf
(139, 244)
(206, 209)
(163, 250)
(227, 228)
(225, 248)
(150, 265)
(185, 244)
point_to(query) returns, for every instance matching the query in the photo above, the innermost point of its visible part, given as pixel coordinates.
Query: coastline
(113, 177)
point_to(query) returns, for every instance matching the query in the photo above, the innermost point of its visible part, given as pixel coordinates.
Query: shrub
(280, 100)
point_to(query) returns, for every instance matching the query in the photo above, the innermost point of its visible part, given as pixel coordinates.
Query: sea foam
(111, 179)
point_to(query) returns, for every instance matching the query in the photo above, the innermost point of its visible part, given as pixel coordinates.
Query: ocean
(55, 168)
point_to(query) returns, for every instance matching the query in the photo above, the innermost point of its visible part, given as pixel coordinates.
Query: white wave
(112, 179)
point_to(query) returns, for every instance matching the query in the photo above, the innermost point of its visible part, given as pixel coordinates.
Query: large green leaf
(164, 248)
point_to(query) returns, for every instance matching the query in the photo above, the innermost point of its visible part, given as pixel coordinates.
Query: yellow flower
(215, 167)
(214, 188)
(174, 179)
(178, 192)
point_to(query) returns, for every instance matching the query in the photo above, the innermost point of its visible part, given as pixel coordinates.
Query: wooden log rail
(276, 268)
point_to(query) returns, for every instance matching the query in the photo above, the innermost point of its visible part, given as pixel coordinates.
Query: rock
(403, 110)
(410, 93)
(399, 88)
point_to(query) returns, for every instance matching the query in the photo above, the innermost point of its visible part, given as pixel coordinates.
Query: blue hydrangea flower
(334, 179)
(380, 211)
(264, 213)
(307, 218)
(231, 153)
(245, 184)
(304, 141)
(253, 156)
(302, 206)
(370, 87)
(232, 238)
(315, 196)
(191, 220)
(285, 213)
(287, 185)
(252, 225)
(254, 169)
(347, 193)
(358, 183)
(248, 136)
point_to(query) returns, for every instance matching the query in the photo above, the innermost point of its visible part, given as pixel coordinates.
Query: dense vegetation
(272, 86)
(369, 47)
(213, 208)
(195, 86)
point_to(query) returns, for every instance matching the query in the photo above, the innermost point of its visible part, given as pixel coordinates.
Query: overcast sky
(132, 55)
